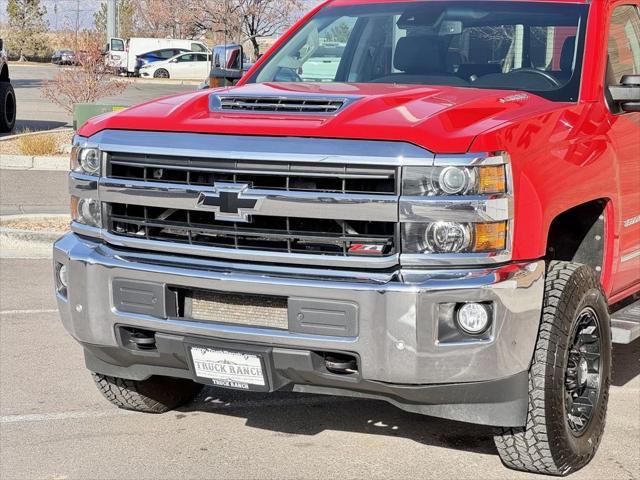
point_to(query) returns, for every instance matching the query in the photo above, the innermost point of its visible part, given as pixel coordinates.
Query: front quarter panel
(559, 160)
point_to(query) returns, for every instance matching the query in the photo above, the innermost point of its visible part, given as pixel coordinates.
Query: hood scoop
(290, 103)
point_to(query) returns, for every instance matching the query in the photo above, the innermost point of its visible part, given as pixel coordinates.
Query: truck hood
(440, 119)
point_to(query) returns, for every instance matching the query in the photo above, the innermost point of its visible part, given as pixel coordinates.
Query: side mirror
(627, 95)
(227, 65)
(175, 60)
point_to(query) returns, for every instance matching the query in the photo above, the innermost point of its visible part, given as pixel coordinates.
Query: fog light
(473, 318)
(63, 276)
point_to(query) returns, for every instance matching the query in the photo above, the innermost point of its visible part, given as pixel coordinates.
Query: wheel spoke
(582, 373)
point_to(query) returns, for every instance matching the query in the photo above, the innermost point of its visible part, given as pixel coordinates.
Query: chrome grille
(256, 199)
(279, 104)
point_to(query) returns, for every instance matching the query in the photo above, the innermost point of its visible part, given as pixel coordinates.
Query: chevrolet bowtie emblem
(229, 202)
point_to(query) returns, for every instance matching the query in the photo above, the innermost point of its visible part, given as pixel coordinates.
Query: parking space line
(20, 312)
(41, 417)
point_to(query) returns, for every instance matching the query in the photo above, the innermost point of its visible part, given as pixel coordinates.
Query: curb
(29, 235)
(159, 81)
(27, 162)
(16, 63)
(39, 132)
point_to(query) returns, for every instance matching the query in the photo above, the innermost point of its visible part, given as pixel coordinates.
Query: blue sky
(62, 13)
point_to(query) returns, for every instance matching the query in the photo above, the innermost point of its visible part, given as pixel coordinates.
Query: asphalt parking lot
(55, 425)
(36, 113)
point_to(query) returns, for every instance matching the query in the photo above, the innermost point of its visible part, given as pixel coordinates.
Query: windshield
(531, 46)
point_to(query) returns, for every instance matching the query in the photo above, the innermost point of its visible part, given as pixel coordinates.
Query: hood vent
(305, 104)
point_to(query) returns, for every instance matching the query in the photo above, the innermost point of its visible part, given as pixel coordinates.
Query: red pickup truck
(450, 221)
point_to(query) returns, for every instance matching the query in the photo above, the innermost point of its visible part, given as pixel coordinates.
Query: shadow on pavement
(36, 125)
(291, 414)
(626, 363)
(27, 82)
(288, 413)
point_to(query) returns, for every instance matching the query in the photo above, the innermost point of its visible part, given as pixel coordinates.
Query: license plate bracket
(229, 368)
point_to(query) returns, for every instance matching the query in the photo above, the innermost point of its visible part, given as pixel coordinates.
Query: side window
(197, 47)
(186, 58)
(624, 44)
(117, 45)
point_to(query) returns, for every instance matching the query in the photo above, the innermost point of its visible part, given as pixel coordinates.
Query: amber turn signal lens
(492, 179)
(74, 208)
(490, 237)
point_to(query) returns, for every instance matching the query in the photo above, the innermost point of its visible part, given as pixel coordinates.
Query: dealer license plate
(228, 369)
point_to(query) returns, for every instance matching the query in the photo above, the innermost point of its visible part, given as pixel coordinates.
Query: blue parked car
(156, 56)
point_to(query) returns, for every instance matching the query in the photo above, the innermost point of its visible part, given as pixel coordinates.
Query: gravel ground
(38, 224)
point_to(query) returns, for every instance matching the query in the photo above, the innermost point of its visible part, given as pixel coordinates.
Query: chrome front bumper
(397, 341)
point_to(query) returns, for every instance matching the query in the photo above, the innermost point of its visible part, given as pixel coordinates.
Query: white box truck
(121, 54)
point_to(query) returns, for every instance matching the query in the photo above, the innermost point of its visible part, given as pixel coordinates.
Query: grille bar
(282, 203)
(241, 171)
(284, 234)
(282, 175)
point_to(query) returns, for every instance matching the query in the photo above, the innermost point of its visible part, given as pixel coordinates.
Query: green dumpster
(84, 111)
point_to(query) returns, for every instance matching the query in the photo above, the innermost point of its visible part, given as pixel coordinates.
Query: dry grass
(14, 146)
(42, 144)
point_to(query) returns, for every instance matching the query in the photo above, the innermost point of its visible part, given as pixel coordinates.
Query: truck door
(183, 67)
(202, 66)
(117, 55)
(624, 59)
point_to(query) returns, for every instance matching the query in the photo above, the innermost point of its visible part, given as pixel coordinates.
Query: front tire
(7, 107)
(154, 395)
(568, 380)
(161, 73)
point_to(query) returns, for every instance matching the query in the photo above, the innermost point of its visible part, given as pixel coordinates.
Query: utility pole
(77, 23)
(112, 19)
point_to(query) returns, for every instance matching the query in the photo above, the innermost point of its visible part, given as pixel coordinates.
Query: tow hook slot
(137, 339)
(340, 364)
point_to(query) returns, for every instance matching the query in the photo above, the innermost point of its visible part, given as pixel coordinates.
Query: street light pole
(112, 19)
(77, 23)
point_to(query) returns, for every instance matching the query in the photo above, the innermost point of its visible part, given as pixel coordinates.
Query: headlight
(85, 160)
(456, 180)
(86, 211)
(446, 237)
(453, 237)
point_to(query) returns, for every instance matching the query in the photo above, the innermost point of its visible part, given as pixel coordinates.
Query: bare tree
(248, 20)
(263, 18)
(86, 83)
(175, 18)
